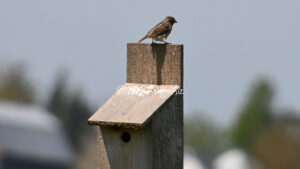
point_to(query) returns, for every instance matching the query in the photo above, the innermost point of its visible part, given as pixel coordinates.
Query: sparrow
(161, 31)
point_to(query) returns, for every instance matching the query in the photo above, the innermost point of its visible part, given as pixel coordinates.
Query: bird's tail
(143, 39)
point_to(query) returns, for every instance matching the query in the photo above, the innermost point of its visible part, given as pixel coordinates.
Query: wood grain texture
(167, 133)
(162, 65)
(159, 64)
(135, 154)
(103, 162)
(132, 105)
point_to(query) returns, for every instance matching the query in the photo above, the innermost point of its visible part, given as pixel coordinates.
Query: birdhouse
(141, 125)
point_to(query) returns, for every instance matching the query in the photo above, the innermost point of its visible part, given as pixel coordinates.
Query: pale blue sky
(227, 44)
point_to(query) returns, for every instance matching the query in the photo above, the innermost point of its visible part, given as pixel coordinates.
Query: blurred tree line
(70, 106)
(270, 136)
(15, 86)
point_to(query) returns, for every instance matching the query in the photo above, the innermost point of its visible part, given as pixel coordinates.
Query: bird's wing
(160, 29)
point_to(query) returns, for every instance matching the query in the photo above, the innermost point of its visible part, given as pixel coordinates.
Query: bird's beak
(175, 21)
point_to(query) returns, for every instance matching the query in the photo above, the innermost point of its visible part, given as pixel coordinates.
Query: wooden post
(155, 64)
(162, 65)
(159, 145)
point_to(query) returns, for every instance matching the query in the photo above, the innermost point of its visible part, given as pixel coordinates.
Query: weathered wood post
(141, 125)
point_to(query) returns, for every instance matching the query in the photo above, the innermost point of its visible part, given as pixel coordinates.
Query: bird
(161, 31)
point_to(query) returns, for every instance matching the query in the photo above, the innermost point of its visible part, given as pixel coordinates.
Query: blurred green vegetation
(269, 135)
(202, 134)
(277, 146)
(15, 86)
(254, 116)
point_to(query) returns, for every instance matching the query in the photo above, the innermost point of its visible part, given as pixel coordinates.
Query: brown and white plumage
(161, 31)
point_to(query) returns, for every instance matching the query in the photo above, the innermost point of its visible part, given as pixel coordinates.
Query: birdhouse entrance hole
(125, 136)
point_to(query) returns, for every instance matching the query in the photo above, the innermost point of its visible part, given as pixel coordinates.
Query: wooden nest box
(141, 125)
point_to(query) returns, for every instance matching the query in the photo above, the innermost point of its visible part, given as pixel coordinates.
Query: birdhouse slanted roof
(132, 105)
